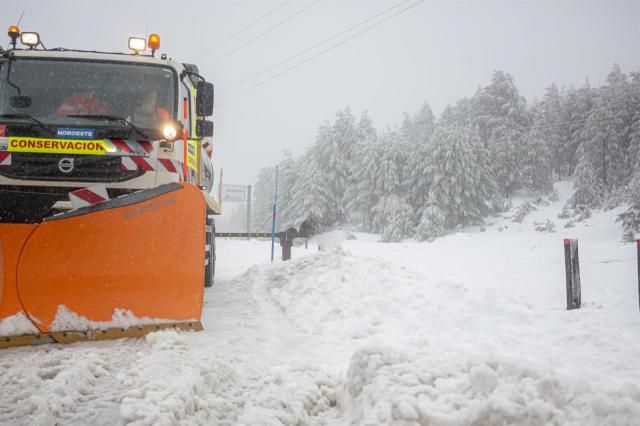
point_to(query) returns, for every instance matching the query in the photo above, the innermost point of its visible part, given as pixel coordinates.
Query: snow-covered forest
(432, 174)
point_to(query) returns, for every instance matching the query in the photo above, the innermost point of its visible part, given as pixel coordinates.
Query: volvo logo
(66, 165)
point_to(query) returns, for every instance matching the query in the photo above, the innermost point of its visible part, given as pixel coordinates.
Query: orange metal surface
(147, 258)
(12, 239)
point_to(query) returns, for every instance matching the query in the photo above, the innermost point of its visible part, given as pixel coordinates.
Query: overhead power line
(215, 46)
(322, 52)
(262, 34)
(302, 52)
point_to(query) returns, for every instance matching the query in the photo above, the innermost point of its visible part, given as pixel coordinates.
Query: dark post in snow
(286, 241)
(638, 245)
(572, 269)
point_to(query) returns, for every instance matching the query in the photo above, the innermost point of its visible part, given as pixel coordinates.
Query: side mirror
(204, 128)
(20, 101)
(204, 99)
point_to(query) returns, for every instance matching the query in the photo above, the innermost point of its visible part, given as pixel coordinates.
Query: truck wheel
(210, 251)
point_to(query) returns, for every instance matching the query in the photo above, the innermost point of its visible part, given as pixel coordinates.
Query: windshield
(53, 90)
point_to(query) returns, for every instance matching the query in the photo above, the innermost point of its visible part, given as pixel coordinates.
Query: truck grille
(85, 168)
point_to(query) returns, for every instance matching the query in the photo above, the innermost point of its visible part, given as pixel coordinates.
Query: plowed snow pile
(447, 353)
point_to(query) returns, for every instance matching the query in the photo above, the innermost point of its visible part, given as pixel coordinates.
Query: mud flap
(139, 256)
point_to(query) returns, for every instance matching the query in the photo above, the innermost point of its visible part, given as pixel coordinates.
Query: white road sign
(234, 193)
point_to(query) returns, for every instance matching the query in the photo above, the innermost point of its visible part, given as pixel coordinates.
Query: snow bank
(501, 356)
(176, 383)
(17, 325)
(386, 387)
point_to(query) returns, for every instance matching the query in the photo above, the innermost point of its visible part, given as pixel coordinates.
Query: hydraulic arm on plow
(106, 222)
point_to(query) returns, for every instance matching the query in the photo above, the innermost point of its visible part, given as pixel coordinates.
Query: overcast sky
(437, 51)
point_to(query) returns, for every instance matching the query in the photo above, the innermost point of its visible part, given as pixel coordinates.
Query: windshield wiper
(28, 117)
(111, 118)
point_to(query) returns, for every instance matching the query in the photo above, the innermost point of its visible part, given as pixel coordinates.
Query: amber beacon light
(154, 43)
(14, 33)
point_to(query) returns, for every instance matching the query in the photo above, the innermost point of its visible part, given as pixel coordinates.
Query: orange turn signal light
(154, 41)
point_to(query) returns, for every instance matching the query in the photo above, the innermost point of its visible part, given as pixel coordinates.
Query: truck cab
(72, 119)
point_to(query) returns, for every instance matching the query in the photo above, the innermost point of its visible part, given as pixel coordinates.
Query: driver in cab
(83, 104)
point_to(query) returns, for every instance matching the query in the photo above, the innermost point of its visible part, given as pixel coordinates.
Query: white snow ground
(469, 329)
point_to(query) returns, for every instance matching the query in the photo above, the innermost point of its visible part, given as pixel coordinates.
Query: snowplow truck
(106, 217)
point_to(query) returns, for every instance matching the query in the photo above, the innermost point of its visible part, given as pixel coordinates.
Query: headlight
(169, 131)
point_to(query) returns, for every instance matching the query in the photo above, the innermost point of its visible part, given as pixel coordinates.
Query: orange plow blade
(119, 268)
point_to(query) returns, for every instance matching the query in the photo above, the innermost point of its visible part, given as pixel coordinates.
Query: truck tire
(210, 250)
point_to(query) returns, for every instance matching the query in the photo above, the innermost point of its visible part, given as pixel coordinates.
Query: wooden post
(572, 270)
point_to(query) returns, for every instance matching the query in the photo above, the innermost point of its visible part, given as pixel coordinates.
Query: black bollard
(572, 269)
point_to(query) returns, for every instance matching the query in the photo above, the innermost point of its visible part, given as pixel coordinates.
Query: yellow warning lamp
(154, 43)
(14, 33)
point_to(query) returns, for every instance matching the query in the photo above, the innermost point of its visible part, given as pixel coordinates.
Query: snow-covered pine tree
(631, 217)
(634, 133)
(462, 186)
(588, 187)
(393, 217)
(552, 121)
(419, 128)
(360, 195)
(578, 106)
(619, 95)
(602, 145)
(329, 160)
(416, 133)
(262, 206)
(535, 162)
(391, 163)
(417, 176)
(432, 224)
(501, 115)
(310, 197)
(287, 176)
(346, 136)
(333, 150)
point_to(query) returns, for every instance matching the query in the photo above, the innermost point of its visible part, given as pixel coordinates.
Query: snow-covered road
(469, 329)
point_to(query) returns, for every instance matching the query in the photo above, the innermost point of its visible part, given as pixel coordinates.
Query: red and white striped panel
(5, 158)
(167, 165)
(130, 147)
(151, 164)
(88, 196)
(138, 163)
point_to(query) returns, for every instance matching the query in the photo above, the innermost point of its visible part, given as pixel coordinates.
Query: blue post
(273, 219)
